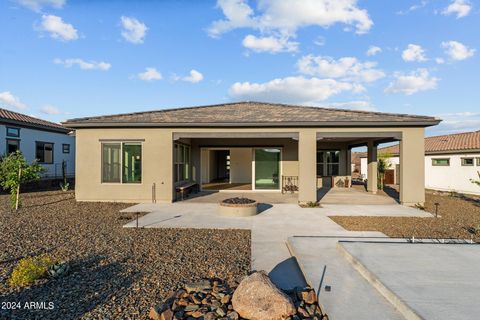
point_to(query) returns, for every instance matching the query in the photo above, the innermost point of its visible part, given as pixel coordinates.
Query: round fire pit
(238, 207)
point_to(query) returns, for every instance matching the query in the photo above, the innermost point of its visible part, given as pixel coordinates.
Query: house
(48, 142)
(450, 162)
(248, 146)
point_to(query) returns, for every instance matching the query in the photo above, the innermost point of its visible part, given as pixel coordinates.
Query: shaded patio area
(260, 197)
(356, 195)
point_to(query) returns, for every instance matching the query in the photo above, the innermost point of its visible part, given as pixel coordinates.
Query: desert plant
(382, 165)
(15, 171)
(30, 269)
(64, 185)
(477, 182)
(313, 204)
(58, 269)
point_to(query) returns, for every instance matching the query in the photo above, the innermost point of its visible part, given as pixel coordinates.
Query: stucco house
(450, 162)
(248, 146)
(48, 142)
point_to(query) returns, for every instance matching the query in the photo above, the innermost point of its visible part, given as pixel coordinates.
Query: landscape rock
(257, 298)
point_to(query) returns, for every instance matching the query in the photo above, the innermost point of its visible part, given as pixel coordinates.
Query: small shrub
(311, 204)
(64, 186)
(30, 269)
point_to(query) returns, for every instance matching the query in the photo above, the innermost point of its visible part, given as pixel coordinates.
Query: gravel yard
(114, 272)
(457, 213)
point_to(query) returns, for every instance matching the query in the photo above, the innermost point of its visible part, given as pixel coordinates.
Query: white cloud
(57, 28)
(353, 105)
(133, 31)
(150, 74)
(283, 18)
(10, 100)
(439, 60)
(346, 68)
(37, 5)
(85, 65)
(458, 122)
(457, 51)
(320, 41)
(292, 90)
(269, 44)
(373, 50)
(194, 77)
(415, 81)
(414, 52)
(461, 8)
(51, 110)
(414, 7)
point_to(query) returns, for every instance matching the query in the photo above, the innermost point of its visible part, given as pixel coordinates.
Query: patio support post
(412, 167)
(307, 166)
(372, 167)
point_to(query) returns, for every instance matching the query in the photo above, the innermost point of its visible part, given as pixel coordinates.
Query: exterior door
(389, 176)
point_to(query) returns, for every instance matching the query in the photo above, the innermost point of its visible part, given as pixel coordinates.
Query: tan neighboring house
(451, 161)
(248, 146)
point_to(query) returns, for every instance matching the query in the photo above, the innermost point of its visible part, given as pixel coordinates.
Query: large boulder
(257, 298)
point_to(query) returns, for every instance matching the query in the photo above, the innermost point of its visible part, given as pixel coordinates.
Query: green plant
(313, 204)
(477, 182)
(64, 185)
(15, 171)
(30, 269)
(383, 164)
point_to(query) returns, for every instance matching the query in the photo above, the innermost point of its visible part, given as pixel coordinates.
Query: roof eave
(421, 123)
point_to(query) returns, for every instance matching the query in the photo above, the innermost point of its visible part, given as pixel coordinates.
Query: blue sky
(61, 59)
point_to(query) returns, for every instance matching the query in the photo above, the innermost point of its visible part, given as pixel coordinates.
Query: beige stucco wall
(241, 165)
(299, 158)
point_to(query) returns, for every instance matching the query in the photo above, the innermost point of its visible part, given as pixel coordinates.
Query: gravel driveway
(115, 272)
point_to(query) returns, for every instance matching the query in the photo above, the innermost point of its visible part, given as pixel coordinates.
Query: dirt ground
(456, 212)
(115, 272)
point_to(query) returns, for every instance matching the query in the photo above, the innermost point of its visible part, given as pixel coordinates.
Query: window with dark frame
(122, 162)
(44, 152)
(66, 148)
(12, 145)
(328, 163)
(181, 162)
(478, 162)
(467, 162)
(13, 132)
(441, 162)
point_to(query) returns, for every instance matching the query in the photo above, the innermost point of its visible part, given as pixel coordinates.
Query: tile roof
(19, 119)
(465, 141)
(252, 114)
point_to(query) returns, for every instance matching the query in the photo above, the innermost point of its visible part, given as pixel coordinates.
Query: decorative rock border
(238, 207)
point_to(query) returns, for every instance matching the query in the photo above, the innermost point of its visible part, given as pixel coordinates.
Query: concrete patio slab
(351, 196)
(423, 281)
(385, 210)
(351, 296)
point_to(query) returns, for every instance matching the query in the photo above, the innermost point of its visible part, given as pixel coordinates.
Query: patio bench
(185, 187)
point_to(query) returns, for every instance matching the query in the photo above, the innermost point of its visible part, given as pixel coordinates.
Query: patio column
(412, 167)
(307, 166)
(372, 167)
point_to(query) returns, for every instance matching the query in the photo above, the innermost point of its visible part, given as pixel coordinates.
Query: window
(13, 132)
(12, 145)
(44, 152)
(66, 148)
(181, 162)
(467, 161)
(328, 163)
(441, 162)
(122, 162)
(478, 161)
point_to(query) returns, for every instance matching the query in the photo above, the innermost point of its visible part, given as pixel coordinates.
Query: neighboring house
(450, 162)
(249, 146)
(48, 142)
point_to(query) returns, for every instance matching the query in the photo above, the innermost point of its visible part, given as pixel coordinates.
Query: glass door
(267, 168)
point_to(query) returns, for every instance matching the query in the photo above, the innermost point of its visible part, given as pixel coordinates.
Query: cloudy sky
(70, 58)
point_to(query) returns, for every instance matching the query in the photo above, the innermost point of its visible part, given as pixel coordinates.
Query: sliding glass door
(267, 168)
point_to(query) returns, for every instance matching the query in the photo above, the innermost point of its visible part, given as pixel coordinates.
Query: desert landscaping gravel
(457, 213)
(115, 272)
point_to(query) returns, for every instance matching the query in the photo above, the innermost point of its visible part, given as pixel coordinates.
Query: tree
(383, 163)
(14, 172)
